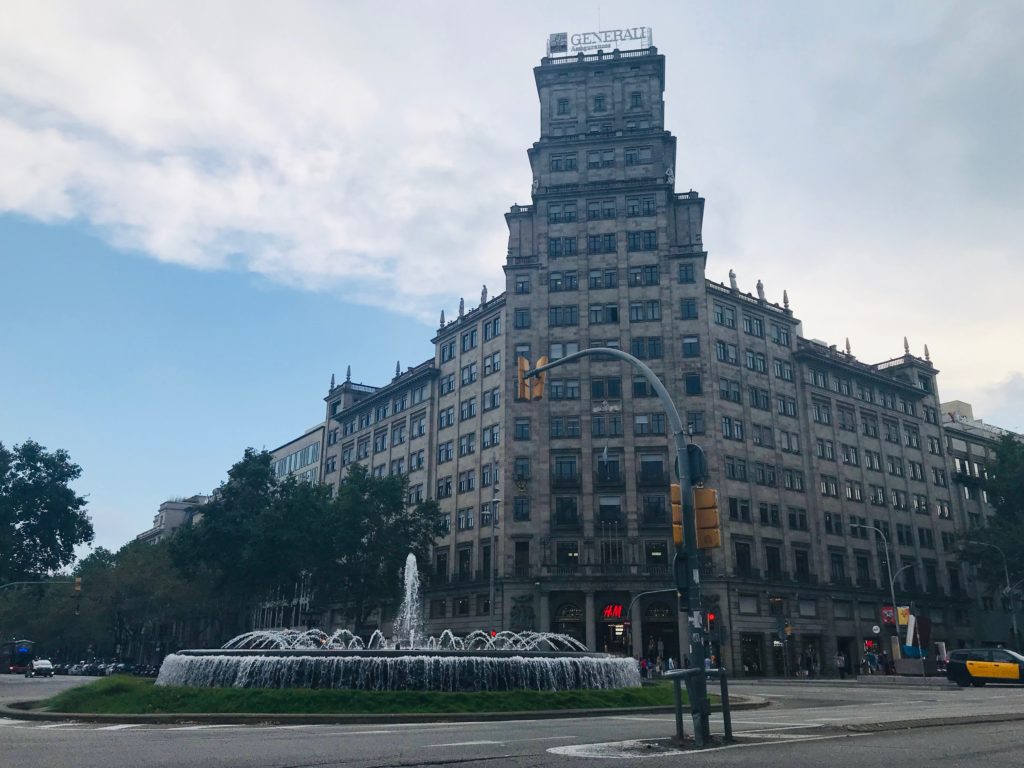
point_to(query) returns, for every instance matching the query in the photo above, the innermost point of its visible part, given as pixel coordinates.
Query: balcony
(566, 522)
(609, 479)
(654, 519)
(745, 572)
(611, 568)
(660, 571)
(776, 575)
(564, 481)
(652, 478)
(841, 581)
(521, 571)
(463, 577)
(805, 578)
(564, 569)
(605, 519)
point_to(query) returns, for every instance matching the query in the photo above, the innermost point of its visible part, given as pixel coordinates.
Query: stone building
(810, 448)
(300, 458)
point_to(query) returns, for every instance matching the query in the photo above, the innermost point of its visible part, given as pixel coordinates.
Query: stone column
(544, 619)
(590, 617)
(638, 632)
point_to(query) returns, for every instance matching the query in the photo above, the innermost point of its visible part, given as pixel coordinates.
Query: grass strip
(132, 696)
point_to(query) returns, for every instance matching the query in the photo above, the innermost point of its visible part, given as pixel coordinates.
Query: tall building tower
(608, 255)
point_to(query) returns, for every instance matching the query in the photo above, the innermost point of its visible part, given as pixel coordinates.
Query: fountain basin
(398, 669)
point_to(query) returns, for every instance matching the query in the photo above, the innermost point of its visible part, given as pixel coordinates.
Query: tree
(373, 529)
(42, 519)
(1005, 487)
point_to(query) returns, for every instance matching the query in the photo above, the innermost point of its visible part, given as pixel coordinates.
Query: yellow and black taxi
(977, 666)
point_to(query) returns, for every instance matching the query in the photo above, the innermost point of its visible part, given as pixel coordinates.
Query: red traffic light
(494, 633)
(711, 616)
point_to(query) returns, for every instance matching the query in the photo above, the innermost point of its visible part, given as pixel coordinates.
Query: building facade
(300, 458)
(172, 515)
(565, 500)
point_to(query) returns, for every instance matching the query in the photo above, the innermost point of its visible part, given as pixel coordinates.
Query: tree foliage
(42, 519)
(1005, 487)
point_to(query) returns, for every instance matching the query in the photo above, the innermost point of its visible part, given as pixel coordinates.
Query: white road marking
(57, 725)
(205, 727)
(465, 744)
(8, 721)
(617, 750)
(120, 727)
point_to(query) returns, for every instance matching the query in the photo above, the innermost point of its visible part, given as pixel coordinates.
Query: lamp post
(892, 584)
(1008, 589)
(494, 524)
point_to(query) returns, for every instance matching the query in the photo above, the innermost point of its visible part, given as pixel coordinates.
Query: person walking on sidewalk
(841, 664)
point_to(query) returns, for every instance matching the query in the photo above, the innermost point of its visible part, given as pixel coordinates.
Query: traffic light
(78, 583)
(697, 462)
(681, 572)
(537, 390)
(709, 532)
(677, 515)
(712, 619)
(523, 384)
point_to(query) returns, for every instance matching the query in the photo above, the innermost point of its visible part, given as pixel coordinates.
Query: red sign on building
(612, 611)
(888, 614)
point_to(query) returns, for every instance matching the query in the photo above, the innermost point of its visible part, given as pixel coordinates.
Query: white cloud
(866, 158)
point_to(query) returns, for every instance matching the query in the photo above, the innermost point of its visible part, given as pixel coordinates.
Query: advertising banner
(607, 40)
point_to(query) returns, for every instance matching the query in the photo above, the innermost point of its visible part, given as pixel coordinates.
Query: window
(636, 100)
(640, 206)
(724, 315)
(638, 155)
(821, 412)
(600, 158)
(780, 334)
(467, 481)
(418, 425)
(695, 422)
(647, 347)
(448, 351)
(686, 273)
(446, 417)
(726, 353)
(563, 162)
(760, 399)
(520, 513)
(735, 469)
(642, 241)
(729, 389)
(563, 107)
(492, 363)
(467, 444)
(691, 383)
(756, 362)
(599, 103)
(753, 325)
(522, 285)
(797, 518)
(786, 406)
(826, 450)
(444, 487)
(563, 281)
(732, 429)
(446, 384)
(521, 468)
(783, 370)
(380, 441)
(445, 452)
(829, 485)
(567, 315)
(469, 373)
(521, 318)
(739, 509)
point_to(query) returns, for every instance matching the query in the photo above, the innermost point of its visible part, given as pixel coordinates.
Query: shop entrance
(611, 628)
(661, 633)
(569, 621)
(752, 655)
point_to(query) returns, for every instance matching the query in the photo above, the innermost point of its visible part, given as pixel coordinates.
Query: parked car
(39, 668)
(977, 666)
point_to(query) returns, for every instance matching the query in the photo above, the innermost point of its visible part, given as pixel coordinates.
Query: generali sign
(570, 43)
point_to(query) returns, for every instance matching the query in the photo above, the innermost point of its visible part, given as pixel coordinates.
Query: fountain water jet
(477, 662)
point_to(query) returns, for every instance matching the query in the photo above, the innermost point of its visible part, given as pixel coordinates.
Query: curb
(22, 710)
(934, 722)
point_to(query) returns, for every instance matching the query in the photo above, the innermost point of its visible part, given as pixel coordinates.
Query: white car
(39, 668)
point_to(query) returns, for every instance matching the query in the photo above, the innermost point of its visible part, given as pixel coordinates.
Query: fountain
(477, 662)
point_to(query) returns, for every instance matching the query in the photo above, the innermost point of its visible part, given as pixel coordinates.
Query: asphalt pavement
(807, 725)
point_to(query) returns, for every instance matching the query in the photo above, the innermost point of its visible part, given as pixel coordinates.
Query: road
(802, 728)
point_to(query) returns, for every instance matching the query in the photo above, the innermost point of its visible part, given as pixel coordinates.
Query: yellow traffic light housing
(523, 384)
(537, 389)
(677, 515)
(709, 531)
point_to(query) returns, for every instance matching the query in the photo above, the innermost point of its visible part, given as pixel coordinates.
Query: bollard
(680, 729)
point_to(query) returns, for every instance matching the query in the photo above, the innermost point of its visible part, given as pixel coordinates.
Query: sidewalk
(892, 681)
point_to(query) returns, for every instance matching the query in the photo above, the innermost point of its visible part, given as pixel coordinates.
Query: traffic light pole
(700, 707)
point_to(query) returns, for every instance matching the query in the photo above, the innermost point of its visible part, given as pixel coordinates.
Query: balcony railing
(805, 578)
(652, 479)
(656, 571)
(743, 572)
(565, 481)
(654, 519)
(610, 519)
(566, 522)
(609, 480)
(564, 570)
(776, 575)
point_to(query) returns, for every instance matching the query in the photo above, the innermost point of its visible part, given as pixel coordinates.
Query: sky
(207, 209)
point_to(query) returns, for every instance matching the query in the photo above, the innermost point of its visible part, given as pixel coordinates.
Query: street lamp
(1009, 588)
(892, 584)
(495, 501)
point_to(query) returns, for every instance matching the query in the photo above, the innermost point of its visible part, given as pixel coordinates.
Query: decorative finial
(785, 299)
(332, 381)
(398, 368)
(906, 346)
(927, 354)
(848, 346)
(483, 295)
(462, 307)
(732, 280)
(442, 318)
(760, 290)
(348, 373)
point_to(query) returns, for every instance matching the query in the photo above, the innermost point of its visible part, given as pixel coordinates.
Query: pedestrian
(871, 659)
(643, 667)
(841, 664)
(670, 664)
(707, 663)
(883, 662)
